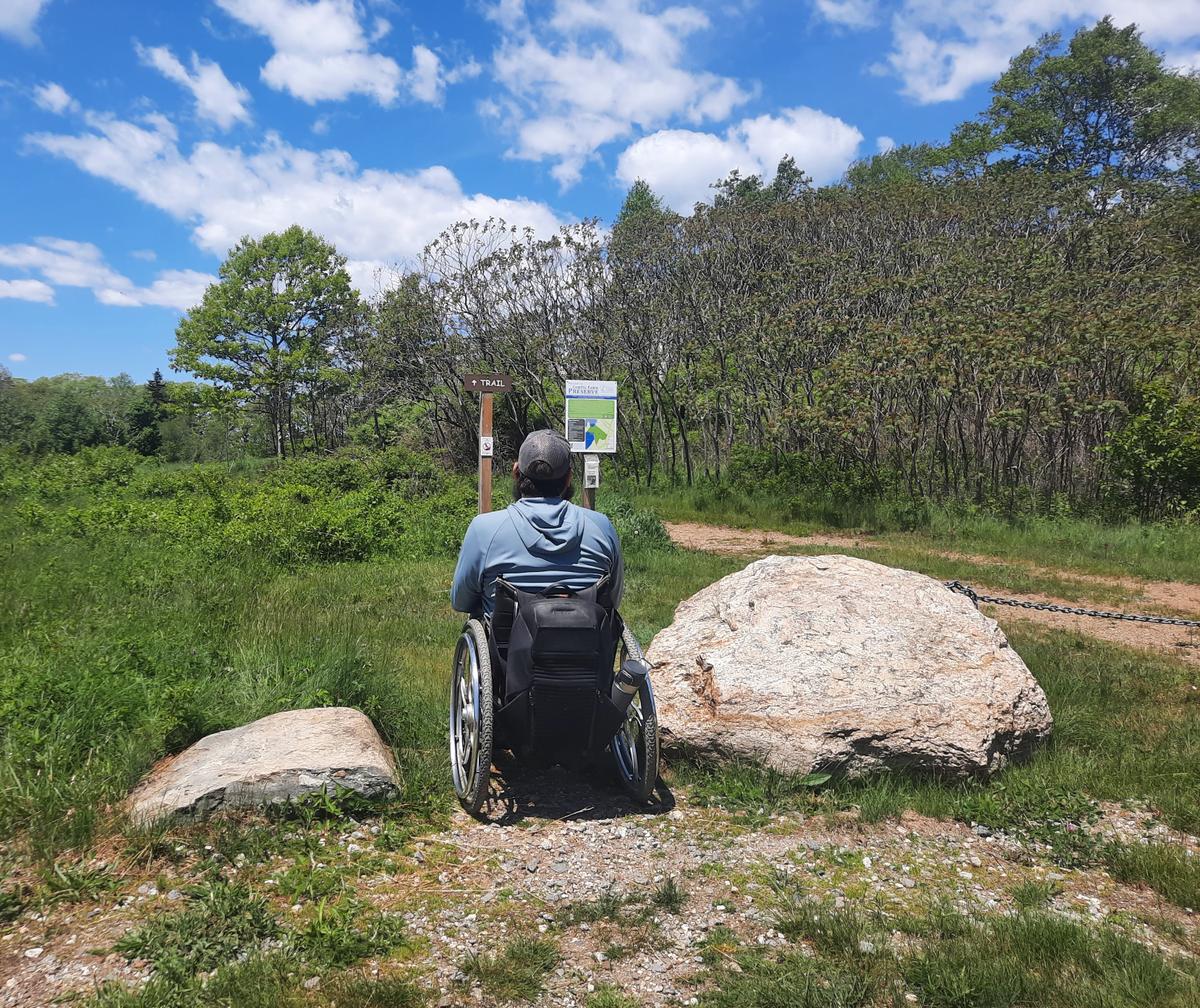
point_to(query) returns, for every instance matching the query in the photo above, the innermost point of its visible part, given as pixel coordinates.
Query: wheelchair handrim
(464, 717)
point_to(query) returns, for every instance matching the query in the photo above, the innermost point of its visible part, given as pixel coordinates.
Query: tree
(267, 328)
(1106, 106)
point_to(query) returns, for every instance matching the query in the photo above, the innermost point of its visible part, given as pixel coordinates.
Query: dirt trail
(1153, 597)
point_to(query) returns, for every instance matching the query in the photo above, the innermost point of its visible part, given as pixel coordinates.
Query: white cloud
(146, 255)
(54, 98)
(65, 263)
(594, 72)
(17, 358)
(884, 144)
(27, 290)
(323, 52)
(849, 13)
(218, 99)
(681, 165)
(17, 18)
(373, 216)
(940, 48)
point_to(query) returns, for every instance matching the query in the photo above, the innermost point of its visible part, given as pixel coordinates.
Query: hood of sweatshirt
(547, 526)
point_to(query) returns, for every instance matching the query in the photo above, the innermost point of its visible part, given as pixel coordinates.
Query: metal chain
(974, 596)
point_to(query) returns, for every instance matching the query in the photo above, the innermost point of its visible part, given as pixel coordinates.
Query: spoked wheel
(635, 746)
(471, 718)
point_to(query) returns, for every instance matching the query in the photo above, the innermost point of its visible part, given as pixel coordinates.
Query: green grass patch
(1170, 871)
(516, 973)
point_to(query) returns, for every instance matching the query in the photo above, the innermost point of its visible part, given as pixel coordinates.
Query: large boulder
(275, 759)
(807, 663)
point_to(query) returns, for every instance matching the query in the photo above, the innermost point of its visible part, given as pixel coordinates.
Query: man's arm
(466, 593)
(617, 570)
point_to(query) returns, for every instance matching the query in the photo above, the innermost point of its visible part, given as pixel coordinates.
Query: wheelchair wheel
(635, 745)
(471, 718)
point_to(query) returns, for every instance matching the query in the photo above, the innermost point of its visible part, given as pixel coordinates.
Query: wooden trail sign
(485, 385)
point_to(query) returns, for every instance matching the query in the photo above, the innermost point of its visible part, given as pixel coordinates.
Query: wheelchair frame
(472, 723)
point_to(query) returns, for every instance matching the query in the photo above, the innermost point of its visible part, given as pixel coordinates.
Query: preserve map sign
(592, 416)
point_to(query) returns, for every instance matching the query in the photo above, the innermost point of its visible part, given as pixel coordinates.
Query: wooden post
(591, 479)
(485, 462)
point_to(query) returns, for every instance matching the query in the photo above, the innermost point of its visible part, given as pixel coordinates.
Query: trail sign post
(485, 385)
(591, 428)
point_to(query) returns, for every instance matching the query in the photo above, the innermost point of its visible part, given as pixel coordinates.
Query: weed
(1170, 871)
(308, 879)
(832, 930)
(669, 896)
(789, 980)
(221, 922)
(608, 996)
(73, 883)
(1035, 895)
(610, 905)
(517, 972)
(342, 933)
(13, 900)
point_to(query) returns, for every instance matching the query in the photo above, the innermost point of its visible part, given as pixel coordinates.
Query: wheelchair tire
(471, 714)
(635, 745)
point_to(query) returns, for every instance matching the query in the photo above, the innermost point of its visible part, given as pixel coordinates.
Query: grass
(839, 958)
(517, 972)
(221, 923)
(1170, 871)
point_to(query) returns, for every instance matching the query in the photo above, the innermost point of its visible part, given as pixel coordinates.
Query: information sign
(592, 416)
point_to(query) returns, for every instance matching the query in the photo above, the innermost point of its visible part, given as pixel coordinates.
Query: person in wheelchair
(545, 666)
(539, 540)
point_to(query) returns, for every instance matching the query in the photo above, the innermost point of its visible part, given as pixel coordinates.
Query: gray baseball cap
(544, 455)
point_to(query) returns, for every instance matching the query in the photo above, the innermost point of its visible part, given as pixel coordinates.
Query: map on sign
(592, 416)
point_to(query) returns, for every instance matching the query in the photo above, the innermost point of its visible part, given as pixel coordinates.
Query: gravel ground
(566, 843)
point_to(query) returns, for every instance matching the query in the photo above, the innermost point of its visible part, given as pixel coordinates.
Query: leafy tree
(267, 329)
(1106, 105)
(1157, 453)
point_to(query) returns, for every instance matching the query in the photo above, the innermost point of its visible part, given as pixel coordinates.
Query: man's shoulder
(486, 525)
(598, 519)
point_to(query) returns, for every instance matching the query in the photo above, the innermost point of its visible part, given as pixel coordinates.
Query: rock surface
(274, 759)
(805, 663)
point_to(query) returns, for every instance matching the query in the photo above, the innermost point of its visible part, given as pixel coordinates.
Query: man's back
(534, 543)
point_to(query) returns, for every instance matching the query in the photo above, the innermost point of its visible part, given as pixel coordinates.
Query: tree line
(1010, 317)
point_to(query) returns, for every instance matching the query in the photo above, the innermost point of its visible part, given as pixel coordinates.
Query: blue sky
(139, 141)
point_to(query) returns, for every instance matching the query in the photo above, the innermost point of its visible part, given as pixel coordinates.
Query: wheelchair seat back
(555, 651)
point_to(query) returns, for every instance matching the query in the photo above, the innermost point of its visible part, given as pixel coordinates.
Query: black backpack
(555, 651)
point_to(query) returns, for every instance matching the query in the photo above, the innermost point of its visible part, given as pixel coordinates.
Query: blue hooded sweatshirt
(533, 544)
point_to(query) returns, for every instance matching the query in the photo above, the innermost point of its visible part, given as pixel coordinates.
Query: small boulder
(275, 759)
(833, 662)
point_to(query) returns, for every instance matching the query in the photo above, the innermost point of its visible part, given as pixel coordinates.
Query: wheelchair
(551, 677)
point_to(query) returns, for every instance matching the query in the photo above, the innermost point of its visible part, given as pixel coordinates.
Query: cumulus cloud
(17, 358)
(218, 99)
(940, 48)
(884, 144)
(373, 216)
(596, 71)
(681, 165)
(18, 17)
(850, 13)
(54, 98)
(323, 53)
(26, 290)
(62, 262)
